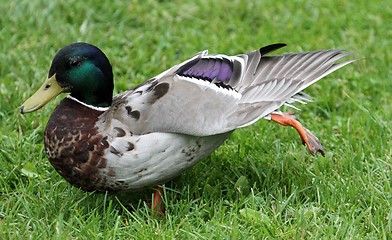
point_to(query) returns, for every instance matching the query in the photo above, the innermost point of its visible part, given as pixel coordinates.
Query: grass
(261, 183)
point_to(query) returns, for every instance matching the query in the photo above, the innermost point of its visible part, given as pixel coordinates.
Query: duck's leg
(308, 138)
(157, 206)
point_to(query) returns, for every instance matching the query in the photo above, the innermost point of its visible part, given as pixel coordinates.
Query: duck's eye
(75, 61)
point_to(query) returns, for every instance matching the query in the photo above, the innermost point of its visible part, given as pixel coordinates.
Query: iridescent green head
(80, 69)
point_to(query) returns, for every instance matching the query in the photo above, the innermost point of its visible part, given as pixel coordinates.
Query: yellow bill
(45, 93)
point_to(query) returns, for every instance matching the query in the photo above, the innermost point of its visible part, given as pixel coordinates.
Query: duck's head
(80, 69)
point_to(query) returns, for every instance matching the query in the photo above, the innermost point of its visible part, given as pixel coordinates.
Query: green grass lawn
(262, 183)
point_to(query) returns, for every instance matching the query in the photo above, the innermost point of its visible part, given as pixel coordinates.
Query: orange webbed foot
(157, 207)
(307, 137)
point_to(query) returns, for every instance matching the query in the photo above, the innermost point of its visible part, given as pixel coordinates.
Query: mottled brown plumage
(74, 146)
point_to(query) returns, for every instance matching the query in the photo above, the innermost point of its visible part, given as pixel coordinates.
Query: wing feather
(213, 94)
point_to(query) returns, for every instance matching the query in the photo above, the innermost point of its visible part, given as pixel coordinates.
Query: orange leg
(308, 138)
(157, 205)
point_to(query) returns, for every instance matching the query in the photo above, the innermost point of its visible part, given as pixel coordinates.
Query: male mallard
(153, 132)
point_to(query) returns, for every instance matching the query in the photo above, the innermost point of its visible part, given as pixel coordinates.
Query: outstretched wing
(212, 94)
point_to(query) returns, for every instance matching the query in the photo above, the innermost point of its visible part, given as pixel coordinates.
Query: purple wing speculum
(224, 71)
(216, 69)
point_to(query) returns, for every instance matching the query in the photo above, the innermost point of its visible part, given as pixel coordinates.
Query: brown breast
(74, 147)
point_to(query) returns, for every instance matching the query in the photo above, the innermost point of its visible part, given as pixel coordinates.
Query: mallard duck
(152, 133)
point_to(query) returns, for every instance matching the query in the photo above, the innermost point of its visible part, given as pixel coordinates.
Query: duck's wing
(212, 94)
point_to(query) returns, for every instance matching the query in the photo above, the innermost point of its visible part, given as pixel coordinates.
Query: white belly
(155, 158)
